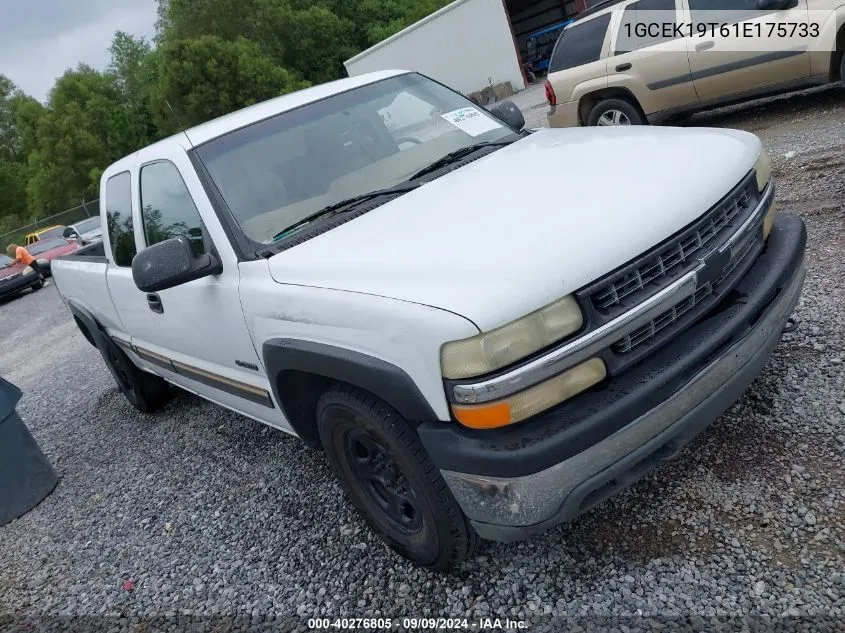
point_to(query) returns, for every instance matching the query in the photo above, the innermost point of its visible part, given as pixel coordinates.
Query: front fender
(382, 379)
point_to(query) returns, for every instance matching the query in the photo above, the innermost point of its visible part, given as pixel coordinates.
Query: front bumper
(10, 287)
(518, 481)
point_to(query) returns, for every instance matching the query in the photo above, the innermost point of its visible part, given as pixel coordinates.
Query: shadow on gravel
(788, 106)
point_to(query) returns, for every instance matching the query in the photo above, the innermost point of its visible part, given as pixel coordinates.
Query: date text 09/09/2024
(756, 30)
(418, 624)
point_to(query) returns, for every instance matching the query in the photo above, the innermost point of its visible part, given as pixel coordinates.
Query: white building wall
(467, 45)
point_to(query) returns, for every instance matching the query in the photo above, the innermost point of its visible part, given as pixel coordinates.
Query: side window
(119, 219)
(727, 11)
(580, 44)
(167, 209)
(642, 26)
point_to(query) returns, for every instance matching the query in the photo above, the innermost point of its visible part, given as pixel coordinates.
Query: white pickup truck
(476, 356)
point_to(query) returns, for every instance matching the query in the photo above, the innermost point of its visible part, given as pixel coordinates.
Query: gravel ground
(199, 511)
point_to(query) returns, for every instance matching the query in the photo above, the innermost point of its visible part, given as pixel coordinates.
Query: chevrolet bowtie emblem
(713, 265)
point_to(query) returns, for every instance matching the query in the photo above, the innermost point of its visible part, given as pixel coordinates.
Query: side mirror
(509, 113)
(171, 263)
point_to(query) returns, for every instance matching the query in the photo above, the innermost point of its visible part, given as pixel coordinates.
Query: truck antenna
(181, 127)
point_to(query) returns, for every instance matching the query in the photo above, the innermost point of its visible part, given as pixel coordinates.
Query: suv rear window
(580, 44)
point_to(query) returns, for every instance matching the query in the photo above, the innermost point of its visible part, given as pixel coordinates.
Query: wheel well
(588, 101)
(836, 56)
(84, 329)
(298, 392)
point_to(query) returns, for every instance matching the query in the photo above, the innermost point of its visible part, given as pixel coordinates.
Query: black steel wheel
(145, 391)
(390, 479)
(379, 476)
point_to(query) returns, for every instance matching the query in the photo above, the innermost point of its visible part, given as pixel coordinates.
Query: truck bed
(82, 278)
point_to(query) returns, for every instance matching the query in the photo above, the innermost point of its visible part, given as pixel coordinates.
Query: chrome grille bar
(678, 253)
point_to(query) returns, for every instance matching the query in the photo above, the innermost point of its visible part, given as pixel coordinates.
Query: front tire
(145, 392)
(386, 473)
(842, 68)
(615, 112)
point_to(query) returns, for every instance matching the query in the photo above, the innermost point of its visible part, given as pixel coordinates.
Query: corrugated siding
(467, 45)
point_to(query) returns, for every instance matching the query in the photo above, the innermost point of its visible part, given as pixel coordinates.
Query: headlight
(498, 348)
(27, 270)
(769, 220)
(763, 167)
(530, 402)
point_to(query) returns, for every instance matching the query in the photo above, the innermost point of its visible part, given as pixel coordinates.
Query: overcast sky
(40, 39)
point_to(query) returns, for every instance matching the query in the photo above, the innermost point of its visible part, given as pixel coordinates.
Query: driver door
(195, 333)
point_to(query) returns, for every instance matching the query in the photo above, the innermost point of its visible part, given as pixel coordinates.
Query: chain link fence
(77, 214)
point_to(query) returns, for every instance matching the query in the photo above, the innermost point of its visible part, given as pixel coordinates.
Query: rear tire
(615, 112)
(386, 473)
(842, 67)
(146, 392)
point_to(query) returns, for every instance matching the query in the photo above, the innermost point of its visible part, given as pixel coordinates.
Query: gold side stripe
(146, 352)
(235, 384)
(232, 383)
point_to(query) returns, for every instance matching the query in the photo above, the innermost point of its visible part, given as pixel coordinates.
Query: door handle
(703, 46)
(154, 301)
(623, 67)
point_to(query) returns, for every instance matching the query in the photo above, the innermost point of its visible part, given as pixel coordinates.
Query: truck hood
(529, 223)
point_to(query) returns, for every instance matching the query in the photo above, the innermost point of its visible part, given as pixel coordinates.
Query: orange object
(23, 256)
(489, 416)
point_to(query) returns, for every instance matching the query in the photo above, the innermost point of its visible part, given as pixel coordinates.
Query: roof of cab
(241, 118)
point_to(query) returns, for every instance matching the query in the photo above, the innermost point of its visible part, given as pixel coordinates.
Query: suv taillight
(551, 97)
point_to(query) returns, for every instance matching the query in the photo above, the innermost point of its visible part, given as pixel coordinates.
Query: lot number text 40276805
(417, 624)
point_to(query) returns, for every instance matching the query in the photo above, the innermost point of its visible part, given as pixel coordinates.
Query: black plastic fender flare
(382, 379)
(95, 334)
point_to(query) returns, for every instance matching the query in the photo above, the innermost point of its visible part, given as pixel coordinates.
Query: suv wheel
(615, 112)
(390, 479)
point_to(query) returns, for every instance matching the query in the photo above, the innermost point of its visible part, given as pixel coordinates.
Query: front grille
(635, 282)
(647, 332)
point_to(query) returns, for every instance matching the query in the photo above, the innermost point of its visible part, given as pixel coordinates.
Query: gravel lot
(208, 513)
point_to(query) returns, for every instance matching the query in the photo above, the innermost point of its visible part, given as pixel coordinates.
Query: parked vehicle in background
(46, 250)
(16, 277)
(596, 79)
(87, 231)
(473, 360)
(43, 234)
(539, 46)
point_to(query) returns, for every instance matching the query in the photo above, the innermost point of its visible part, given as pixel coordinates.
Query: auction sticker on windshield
(471, 121)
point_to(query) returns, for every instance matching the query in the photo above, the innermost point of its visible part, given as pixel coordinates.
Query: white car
(476, 358)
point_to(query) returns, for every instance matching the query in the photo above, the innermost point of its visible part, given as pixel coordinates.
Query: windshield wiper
(454, 157)
(343, 206)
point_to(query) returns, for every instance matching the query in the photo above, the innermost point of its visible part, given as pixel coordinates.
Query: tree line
(208, 58)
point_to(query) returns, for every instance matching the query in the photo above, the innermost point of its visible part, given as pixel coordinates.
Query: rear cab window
(580, 44)
(119, 219)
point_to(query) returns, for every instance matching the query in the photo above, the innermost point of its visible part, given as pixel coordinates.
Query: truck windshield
(276, 172)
